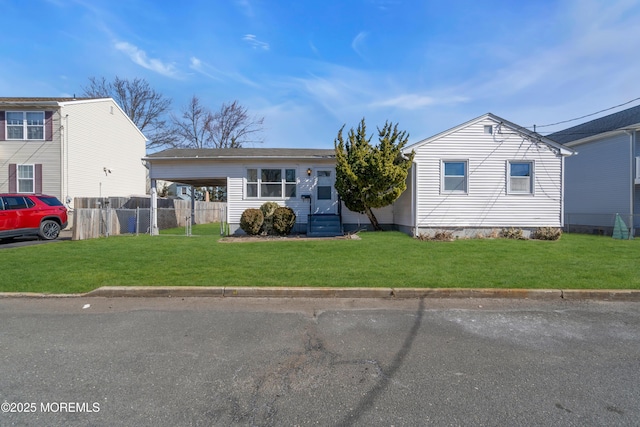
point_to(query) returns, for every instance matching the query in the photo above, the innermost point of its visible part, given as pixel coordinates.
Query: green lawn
(385, 259)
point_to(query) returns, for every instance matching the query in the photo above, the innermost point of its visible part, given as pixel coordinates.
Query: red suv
(31, 215)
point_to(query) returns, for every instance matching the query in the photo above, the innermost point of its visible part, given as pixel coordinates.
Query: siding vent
(488, 129)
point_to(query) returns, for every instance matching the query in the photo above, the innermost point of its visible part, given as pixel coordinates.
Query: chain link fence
(103, 219)
(601, 224)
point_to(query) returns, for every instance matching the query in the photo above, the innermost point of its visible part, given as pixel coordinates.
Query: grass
(386, 259)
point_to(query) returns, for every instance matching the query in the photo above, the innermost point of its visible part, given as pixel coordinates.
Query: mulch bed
(289, 238)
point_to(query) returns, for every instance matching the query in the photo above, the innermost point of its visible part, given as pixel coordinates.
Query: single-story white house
(482, 175)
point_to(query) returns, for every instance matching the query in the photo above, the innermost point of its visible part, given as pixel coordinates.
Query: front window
(271, 183)
(454, 176)
(26, 181)
(520, 177)
(25, 125)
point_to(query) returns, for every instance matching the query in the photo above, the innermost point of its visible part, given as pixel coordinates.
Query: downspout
(414, 198)
(62, 136)
(632, 181)
(562, 191)
(66, 157)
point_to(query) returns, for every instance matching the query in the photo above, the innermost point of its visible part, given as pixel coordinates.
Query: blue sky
(309, 67)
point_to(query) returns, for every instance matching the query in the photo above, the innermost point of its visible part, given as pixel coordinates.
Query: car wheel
(49, 229)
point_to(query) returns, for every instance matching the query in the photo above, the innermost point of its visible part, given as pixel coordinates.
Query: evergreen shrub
(251, 221)
(283, 220)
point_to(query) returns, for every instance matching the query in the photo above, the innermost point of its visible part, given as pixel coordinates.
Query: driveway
(31, 241)
(268, 362)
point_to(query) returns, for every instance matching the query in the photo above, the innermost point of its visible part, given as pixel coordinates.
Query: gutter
(242, 158)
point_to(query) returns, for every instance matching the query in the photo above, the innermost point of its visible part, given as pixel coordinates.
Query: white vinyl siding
(99, 135)
(44, 152)
(487, 202)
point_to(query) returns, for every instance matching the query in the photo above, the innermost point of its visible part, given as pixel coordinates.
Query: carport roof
(242, 153)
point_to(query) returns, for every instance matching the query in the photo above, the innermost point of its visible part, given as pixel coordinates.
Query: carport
(196, 168)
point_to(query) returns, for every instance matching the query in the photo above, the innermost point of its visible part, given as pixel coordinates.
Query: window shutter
(48, 125)
(13, 182)
(2, 126)
(38, 178)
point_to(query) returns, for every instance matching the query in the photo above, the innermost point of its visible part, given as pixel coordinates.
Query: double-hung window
(270, 183)
(520, 177)
(26, 179)
(454, 176)
(25, 125)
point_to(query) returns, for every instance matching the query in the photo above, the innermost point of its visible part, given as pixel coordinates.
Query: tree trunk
(372, 219)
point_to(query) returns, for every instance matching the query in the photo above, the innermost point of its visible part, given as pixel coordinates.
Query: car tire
(49, 230)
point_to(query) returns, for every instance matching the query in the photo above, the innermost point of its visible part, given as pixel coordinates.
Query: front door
(325, 199)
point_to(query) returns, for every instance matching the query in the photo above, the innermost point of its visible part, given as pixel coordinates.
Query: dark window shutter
(13, 182)
(48, 125)
(38, 178)
(2, 126)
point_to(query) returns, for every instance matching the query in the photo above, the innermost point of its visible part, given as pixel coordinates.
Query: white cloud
(385, 5)
(416, 102)
(255, 43)
(357, 43)
(197, 65)
(246, 7)
(140, 57)
(214, 73)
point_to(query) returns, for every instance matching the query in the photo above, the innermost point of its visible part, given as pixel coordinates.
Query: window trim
(532, 186)
(443, 176)
(25, 126)
(32, 179)
(284, 184)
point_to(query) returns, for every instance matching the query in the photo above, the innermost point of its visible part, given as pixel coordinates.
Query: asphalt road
(272, 362)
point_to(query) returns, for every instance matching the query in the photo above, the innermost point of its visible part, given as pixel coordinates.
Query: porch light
(308, 171)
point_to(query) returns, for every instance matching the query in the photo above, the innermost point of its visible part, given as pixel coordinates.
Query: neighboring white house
(70, 148)
(604, 180)
(487, 173)
(484, 174)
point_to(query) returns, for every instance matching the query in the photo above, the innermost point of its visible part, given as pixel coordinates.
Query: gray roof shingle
(620, 120)
(229, 153)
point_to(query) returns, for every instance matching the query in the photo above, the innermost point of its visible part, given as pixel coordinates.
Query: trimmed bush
(251, 221)
(547, 233)
(283, 220)
(267, 210)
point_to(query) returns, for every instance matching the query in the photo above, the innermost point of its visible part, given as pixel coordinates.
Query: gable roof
(629, 118)
(242, 153)
(564, 151)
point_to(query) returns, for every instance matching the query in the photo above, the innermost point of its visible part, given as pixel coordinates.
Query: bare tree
(230, 127)
(144, 106)
(193, 125)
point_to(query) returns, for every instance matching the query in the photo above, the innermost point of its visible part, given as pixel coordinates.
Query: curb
(327, 292)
